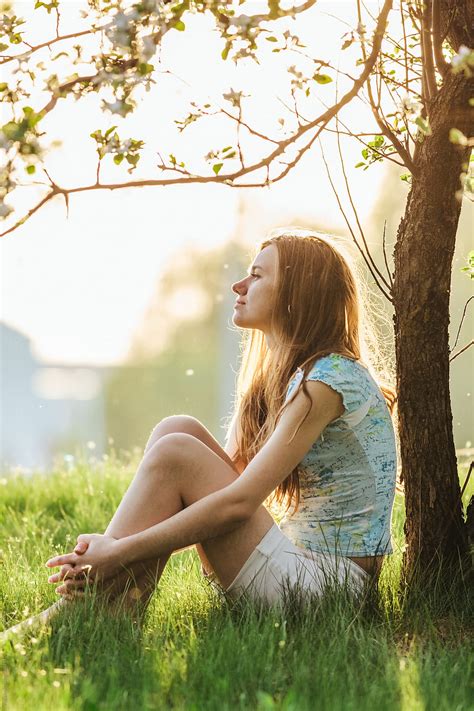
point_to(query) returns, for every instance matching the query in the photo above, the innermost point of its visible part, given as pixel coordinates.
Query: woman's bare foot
(35, 621)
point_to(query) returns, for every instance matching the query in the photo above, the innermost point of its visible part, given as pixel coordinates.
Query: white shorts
(277, 565)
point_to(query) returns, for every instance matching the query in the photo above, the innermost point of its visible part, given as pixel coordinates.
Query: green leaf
(227, 148)
(30, 169)
(118, 158)
(359, 165)
(132, 159)
(109, 131)
(3, 46)
(423, 125)
(180, 26)
(347, 43)
(406, 177)
(225, 52)
(216, 167)
(322, 78)
(145, 68)
(271, 39)
(457, 136)
(3, 86)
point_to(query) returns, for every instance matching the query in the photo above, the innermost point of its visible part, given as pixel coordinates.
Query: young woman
(311, 427)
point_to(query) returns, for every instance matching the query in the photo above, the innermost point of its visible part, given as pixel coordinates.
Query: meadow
(194, 650)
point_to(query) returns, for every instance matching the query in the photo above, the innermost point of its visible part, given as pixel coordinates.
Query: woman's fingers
(68, 558)
(65, 572)
(81, 547)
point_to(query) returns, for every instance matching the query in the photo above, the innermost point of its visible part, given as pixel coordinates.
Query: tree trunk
(424, 250)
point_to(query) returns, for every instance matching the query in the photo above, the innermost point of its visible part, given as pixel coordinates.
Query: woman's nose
(238, 287)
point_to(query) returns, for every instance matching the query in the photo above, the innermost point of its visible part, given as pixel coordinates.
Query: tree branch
(385, 129)
(349, 227)
(25, 55)
(442, 65)
(230, 178)
(427, 52)
(356, 215)
(468, 345)
(462, 320)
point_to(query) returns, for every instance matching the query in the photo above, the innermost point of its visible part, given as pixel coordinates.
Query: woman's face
(256, 292)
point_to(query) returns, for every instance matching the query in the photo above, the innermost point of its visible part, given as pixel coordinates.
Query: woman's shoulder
(338, 364)
(348, 376)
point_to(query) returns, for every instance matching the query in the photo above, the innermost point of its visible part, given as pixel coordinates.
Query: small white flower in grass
(190, 371)
(56, 684)
(23, 673)
(42, 672)
(281, 643)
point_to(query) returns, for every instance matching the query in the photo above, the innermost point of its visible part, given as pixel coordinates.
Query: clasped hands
(95, 557)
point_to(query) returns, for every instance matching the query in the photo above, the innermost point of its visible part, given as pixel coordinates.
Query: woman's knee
(175, 424)
(168, 454)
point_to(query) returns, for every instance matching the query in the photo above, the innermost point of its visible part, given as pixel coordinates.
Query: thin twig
(468, 345)
(390, 278)
(462, 319)
(356, 215)
(468, 476)
(349, 227)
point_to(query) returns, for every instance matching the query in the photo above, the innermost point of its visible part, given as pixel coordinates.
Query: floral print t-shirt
(347, 484)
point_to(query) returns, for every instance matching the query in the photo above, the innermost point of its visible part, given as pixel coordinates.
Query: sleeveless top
(347, 479)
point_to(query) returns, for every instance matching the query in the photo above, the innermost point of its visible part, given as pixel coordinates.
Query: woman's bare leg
(177, 470)
(144, 577)
(170, 478)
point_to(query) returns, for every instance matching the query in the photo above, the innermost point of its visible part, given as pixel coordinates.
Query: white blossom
(116, 107)
(242, 21)
(463, 60)
(410, 106)
(148, 48)
(5, 209)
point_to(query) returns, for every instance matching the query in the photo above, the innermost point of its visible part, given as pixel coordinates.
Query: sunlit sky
(78, 286)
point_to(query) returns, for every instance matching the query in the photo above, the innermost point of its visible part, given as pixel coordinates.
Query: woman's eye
(254, 275)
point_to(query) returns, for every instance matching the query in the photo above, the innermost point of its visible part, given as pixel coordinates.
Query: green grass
(196, 652)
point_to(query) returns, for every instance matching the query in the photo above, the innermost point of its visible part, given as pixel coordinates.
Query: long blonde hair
(316, 312)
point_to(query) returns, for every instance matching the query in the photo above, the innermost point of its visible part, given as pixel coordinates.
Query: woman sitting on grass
(311, 426)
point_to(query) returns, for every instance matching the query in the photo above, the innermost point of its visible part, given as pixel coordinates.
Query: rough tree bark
(424, 250)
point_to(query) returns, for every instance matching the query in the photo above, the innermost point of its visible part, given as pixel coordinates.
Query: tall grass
(194, 651)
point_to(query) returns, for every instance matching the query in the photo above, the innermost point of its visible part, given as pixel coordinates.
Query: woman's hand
(95, 557)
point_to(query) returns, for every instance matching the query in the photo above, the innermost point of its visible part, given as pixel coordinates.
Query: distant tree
(420, 88)
(175, 362)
